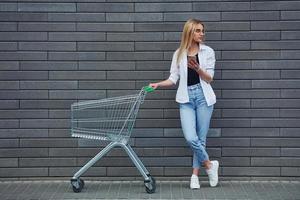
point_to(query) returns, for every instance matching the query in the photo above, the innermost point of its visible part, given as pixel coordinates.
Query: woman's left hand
(192, 64)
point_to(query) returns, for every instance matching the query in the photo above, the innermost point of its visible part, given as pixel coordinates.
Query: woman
(193, 63)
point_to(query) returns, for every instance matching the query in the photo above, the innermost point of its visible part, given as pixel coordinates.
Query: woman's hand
(192, 64)
(154, 85)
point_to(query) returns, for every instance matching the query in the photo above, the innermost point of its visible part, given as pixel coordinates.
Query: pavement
(134, 189)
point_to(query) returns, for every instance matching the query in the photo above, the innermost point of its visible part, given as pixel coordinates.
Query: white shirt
(206, 56)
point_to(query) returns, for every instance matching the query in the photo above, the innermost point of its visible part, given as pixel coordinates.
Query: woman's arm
(165, 83)
(192, 63)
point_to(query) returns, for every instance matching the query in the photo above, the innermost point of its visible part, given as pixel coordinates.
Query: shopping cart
(110, 119)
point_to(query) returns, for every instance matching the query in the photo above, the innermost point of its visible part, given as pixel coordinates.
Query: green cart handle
(148, 89)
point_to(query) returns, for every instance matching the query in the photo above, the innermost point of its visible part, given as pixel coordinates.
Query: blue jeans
(195, 119)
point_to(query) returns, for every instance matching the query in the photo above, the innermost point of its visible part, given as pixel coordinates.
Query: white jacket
(206, 56)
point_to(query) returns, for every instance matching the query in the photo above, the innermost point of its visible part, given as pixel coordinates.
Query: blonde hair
(187, 36)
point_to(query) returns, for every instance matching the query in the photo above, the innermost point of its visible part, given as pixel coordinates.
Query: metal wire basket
(110, 119)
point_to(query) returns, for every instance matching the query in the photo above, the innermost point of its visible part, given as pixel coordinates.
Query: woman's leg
(188, 123)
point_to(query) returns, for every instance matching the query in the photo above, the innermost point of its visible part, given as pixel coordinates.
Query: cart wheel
(150, 185)
(77, 185)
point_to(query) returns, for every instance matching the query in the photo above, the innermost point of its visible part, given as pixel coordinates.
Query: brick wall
(56, 52)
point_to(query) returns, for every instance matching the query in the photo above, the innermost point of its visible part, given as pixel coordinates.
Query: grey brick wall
(56, 52)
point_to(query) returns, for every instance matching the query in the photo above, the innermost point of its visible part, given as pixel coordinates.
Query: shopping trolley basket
(109, 119)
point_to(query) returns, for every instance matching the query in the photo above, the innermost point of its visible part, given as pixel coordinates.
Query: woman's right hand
(153, 85)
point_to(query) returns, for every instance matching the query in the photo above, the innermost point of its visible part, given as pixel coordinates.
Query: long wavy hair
(187, 36)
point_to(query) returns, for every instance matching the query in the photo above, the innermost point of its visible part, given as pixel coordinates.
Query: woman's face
(198, 33)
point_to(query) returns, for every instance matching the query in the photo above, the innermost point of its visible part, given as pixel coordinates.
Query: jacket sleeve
(174, 71)
(211, 60)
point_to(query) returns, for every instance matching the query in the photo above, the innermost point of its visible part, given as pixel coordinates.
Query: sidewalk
(49, 189)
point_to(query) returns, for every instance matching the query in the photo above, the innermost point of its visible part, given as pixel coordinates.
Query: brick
(8, 162)
(8, 46)
(265, 26)
(275, 162)
(265, 15)
(107, 65)
(275, 84)
(147, 132)
(23, 36)
(150, 114)
(134, 36)
(290, 54)
(105, 7)
(71, 56)
(289, 132)
(132, 56)
(47, 46)
(278, 64)
(290, 171)
(233, 64)
(232, 45)
(160, 27)
(227, 26)
(76, 36)
(23, 133)
(8, 7)
(221, 6)
(256, 151)
(132, 171)
(177, 171)
(105, 27)
(251, 74)
(290, 15)
(46, 26)
(289, 5)
(250, 55)
(156, 46)
(225, 142)
(9, 143)
(157, 142)
(250, 132)
(8, 26)
(234, 161)
(44, 123)
(9, 123)
(251, 171)
(76, 75)
(48, 65)
(9, 85)
(48, 85)
(47, 162)
(16, 114)
(47, 142)
(106, 85)
(23, 172)
(24, 152)
(289, 25)
(46, 104)
(266, 113)
(76, 17)
(252, 35)
(133, 17)
(19, 17)
(24, 94)
(259, 94)
(70, 171)
(271, 142)
(58, 114)
(275, 103)
(162, 7)
(77, 94)
(290, 152)
(274, 123)
(269, 5)
(9, 104)
(275, 45)
(105, 46)
(23, 75)
(290, 74)
(13, 56)
(46, 7)
(233, 103)
(292, 93)
(183, 16)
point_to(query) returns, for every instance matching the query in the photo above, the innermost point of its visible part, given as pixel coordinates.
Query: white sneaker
(194, 182)
(213, 173)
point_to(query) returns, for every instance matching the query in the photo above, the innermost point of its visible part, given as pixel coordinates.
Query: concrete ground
(94, 189)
